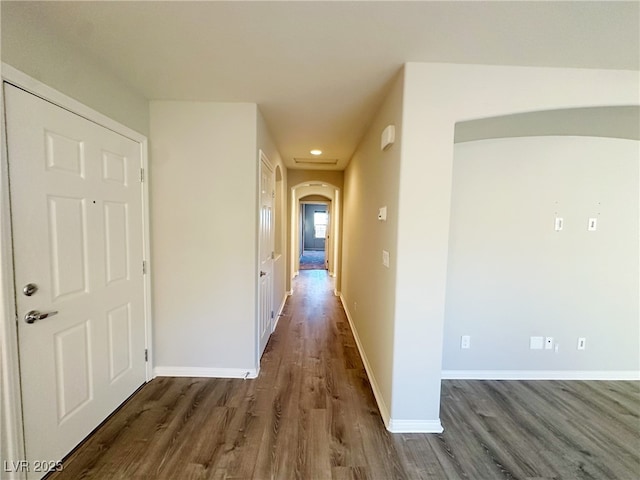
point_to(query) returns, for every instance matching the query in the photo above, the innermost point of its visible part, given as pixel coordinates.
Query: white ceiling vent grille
(316, 161)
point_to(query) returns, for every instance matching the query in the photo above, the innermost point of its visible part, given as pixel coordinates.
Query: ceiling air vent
(316, 161)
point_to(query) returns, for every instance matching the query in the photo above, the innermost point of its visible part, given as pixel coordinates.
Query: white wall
(436, 96)
(368, 288)
(28, 46)
(204, 244)
(512, 276)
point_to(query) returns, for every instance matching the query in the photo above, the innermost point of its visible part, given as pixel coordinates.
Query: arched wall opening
(316, 193)
(434, 98)
(512, 177)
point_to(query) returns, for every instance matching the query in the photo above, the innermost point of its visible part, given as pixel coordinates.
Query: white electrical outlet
(465, 342)
(548, 343)
(582, 343)
(559, 224)
(536, 343)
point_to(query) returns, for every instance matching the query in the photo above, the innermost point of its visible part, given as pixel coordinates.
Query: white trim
(11, 428)
(540, 375)
(12, 425)
(146, 216)
(279, 314)
(415, 426)
(263, 160)
(205, 372)
(382, 407)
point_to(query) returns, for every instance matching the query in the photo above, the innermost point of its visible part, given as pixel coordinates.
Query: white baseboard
(539, 375)
(394, 426)
(205, 372)
(415, 426)
(284, 301)
(384, 410)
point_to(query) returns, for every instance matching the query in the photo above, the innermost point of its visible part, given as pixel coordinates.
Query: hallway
(311, 415)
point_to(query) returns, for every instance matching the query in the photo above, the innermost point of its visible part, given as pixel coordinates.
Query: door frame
(328, 251)
(334, 197)
(11, 396)
(262, 158)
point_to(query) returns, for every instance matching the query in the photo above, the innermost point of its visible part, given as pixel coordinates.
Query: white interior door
(265, 288)
(77, 219)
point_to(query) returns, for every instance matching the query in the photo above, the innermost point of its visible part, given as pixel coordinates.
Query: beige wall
(400, 314)
(436, 97)
(333, 177)
(368, 288)
(27, 46)
(204, 243)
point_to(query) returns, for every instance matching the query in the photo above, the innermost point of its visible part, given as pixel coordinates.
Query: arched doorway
(315, 218)
(328, 196)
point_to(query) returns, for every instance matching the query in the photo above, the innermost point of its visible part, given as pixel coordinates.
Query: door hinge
(271, 314)
(273, 255)
(144, 267)
(146, 355)
(273, 194)
(142, 175)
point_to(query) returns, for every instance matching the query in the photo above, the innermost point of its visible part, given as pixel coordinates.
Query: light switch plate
(385, 258)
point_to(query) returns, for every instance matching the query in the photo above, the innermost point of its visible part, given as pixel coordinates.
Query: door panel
(68, 246)
(77, 221)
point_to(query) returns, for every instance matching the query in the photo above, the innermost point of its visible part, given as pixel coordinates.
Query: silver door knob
(29, 289)
(34, 315)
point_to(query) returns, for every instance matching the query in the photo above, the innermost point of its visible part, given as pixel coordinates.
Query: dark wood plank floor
(311, 415)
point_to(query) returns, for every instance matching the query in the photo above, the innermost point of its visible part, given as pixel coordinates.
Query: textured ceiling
(319, 70)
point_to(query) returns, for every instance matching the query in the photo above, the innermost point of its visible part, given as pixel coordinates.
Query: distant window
(320, 220)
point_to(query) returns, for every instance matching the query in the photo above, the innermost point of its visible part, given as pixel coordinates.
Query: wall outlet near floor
(465, 342)
(582, 343)
(536, 343)
(548, 343)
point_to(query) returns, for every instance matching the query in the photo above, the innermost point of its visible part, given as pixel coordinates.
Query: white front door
(265, 288)
(77, 219)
